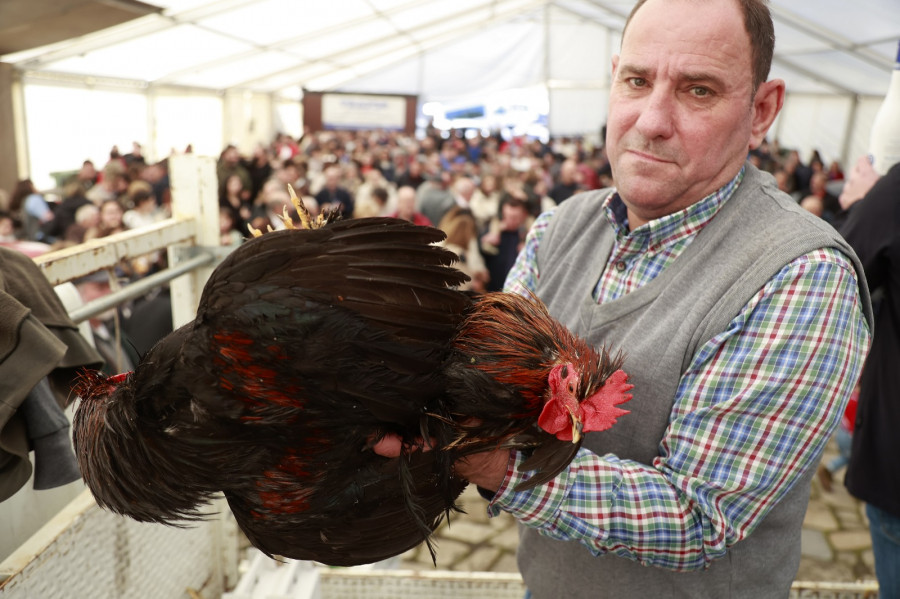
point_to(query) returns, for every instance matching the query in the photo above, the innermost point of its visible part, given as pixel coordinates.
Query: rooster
(521, 380)
(311, 345)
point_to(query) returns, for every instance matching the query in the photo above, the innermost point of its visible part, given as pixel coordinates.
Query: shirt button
(620, 266)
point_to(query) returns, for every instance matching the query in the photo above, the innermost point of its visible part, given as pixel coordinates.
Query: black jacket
(872, 227)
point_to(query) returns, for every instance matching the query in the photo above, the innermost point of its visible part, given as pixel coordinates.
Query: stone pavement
(836, 544)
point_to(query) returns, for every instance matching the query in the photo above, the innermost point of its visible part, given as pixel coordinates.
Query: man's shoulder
(583, 202)
(763, 203)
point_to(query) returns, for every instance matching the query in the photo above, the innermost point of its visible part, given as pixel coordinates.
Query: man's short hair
(759, 26)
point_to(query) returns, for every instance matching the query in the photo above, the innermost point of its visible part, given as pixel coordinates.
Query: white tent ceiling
(210, 72)
(436, 48)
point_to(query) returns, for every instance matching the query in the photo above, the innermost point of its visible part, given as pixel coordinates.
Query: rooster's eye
(572, 388)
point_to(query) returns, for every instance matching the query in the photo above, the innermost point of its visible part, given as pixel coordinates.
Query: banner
(355, 111)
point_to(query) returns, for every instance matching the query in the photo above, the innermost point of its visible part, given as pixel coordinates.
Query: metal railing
(191, 240)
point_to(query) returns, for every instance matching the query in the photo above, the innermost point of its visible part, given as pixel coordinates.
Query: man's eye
(637, 82)
(700, 92)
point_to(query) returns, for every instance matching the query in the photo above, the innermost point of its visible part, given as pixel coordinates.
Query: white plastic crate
(265, 578)
(417, 584)
(834, 590)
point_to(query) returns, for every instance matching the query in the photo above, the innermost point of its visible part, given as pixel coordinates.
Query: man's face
(680, 105)
(406, 203)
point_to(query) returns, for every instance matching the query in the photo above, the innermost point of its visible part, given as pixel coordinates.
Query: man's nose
(657, 115)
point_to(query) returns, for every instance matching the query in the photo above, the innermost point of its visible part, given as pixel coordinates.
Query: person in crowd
(835, 172)
(743, 343)
(7, 227)
(463, 189)
(406, 208)
(87, 217)
(384, 161)
(374, 197)
(819, 201)
(504, 239)
(872, 228)
(288, 172)
(87, 175)
(157, 175)
(434, 198)
(569, 182)
(351, 177)
(462, 239)
(333, 195)
(485, 202)
(31, 209)
(275, 200)
(800, 174)
(64, 215)
(377, 202)
(231, 230)
(229, 163)
(109, 220)
(145, 209)
(118, 354)
(234, 195)
(135, 156)
(112, 185)
(409, 171)
(259, 166)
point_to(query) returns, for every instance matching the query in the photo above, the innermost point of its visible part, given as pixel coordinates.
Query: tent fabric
(835, 57)
(436, 48)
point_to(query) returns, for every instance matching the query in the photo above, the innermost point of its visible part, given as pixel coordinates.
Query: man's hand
(860, 180)
(486, 469)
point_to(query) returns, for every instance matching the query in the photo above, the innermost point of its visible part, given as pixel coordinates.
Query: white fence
(62, 544)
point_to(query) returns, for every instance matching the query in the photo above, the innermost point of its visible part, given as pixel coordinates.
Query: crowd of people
(482, 191)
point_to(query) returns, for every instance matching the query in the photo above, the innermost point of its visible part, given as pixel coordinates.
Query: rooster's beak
(577, 427)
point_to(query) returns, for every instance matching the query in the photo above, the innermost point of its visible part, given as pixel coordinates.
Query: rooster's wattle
(308, 347)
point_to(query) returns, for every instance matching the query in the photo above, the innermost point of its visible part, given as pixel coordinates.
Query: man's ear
(767, 103)
(615, 65)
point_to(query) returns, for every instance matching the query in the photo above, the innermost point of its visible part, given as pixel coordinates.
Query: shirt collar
(684, 222)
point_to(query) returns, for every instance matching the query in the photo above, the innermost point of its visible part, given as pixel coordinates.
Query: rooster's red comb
(117, 379)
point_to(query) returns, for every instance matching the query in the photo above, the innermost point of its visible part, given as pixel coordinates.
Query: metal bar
(139, 288)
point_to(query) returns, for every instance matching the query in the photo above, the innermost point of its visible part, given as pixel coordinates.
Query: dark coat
(37, 340)
(872, 227)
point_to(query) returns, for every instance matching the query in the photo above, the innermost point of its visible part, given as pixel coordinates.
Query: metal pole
(138, 288)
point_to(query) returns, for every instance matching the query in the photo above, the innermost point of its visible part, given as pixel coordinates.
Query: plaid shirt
(736, 443)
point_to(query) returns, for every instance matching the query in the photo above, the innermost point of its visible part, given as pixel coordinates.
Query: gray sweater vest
(660, 327)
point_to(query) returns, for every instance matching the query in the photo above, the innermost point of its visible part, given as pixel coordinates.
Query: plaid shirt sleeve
(751, 415)
(522, 277)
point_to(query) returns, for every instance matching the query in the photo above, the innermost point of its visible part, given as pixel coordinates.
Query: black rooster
(308, 347)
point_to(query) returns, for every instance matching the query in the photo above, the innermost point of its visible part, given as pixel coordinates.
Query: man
(872, 227)
(741, 316)
(406, 207)
(501, 244)
(434, 197)
(332, 195)
(568, 184)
